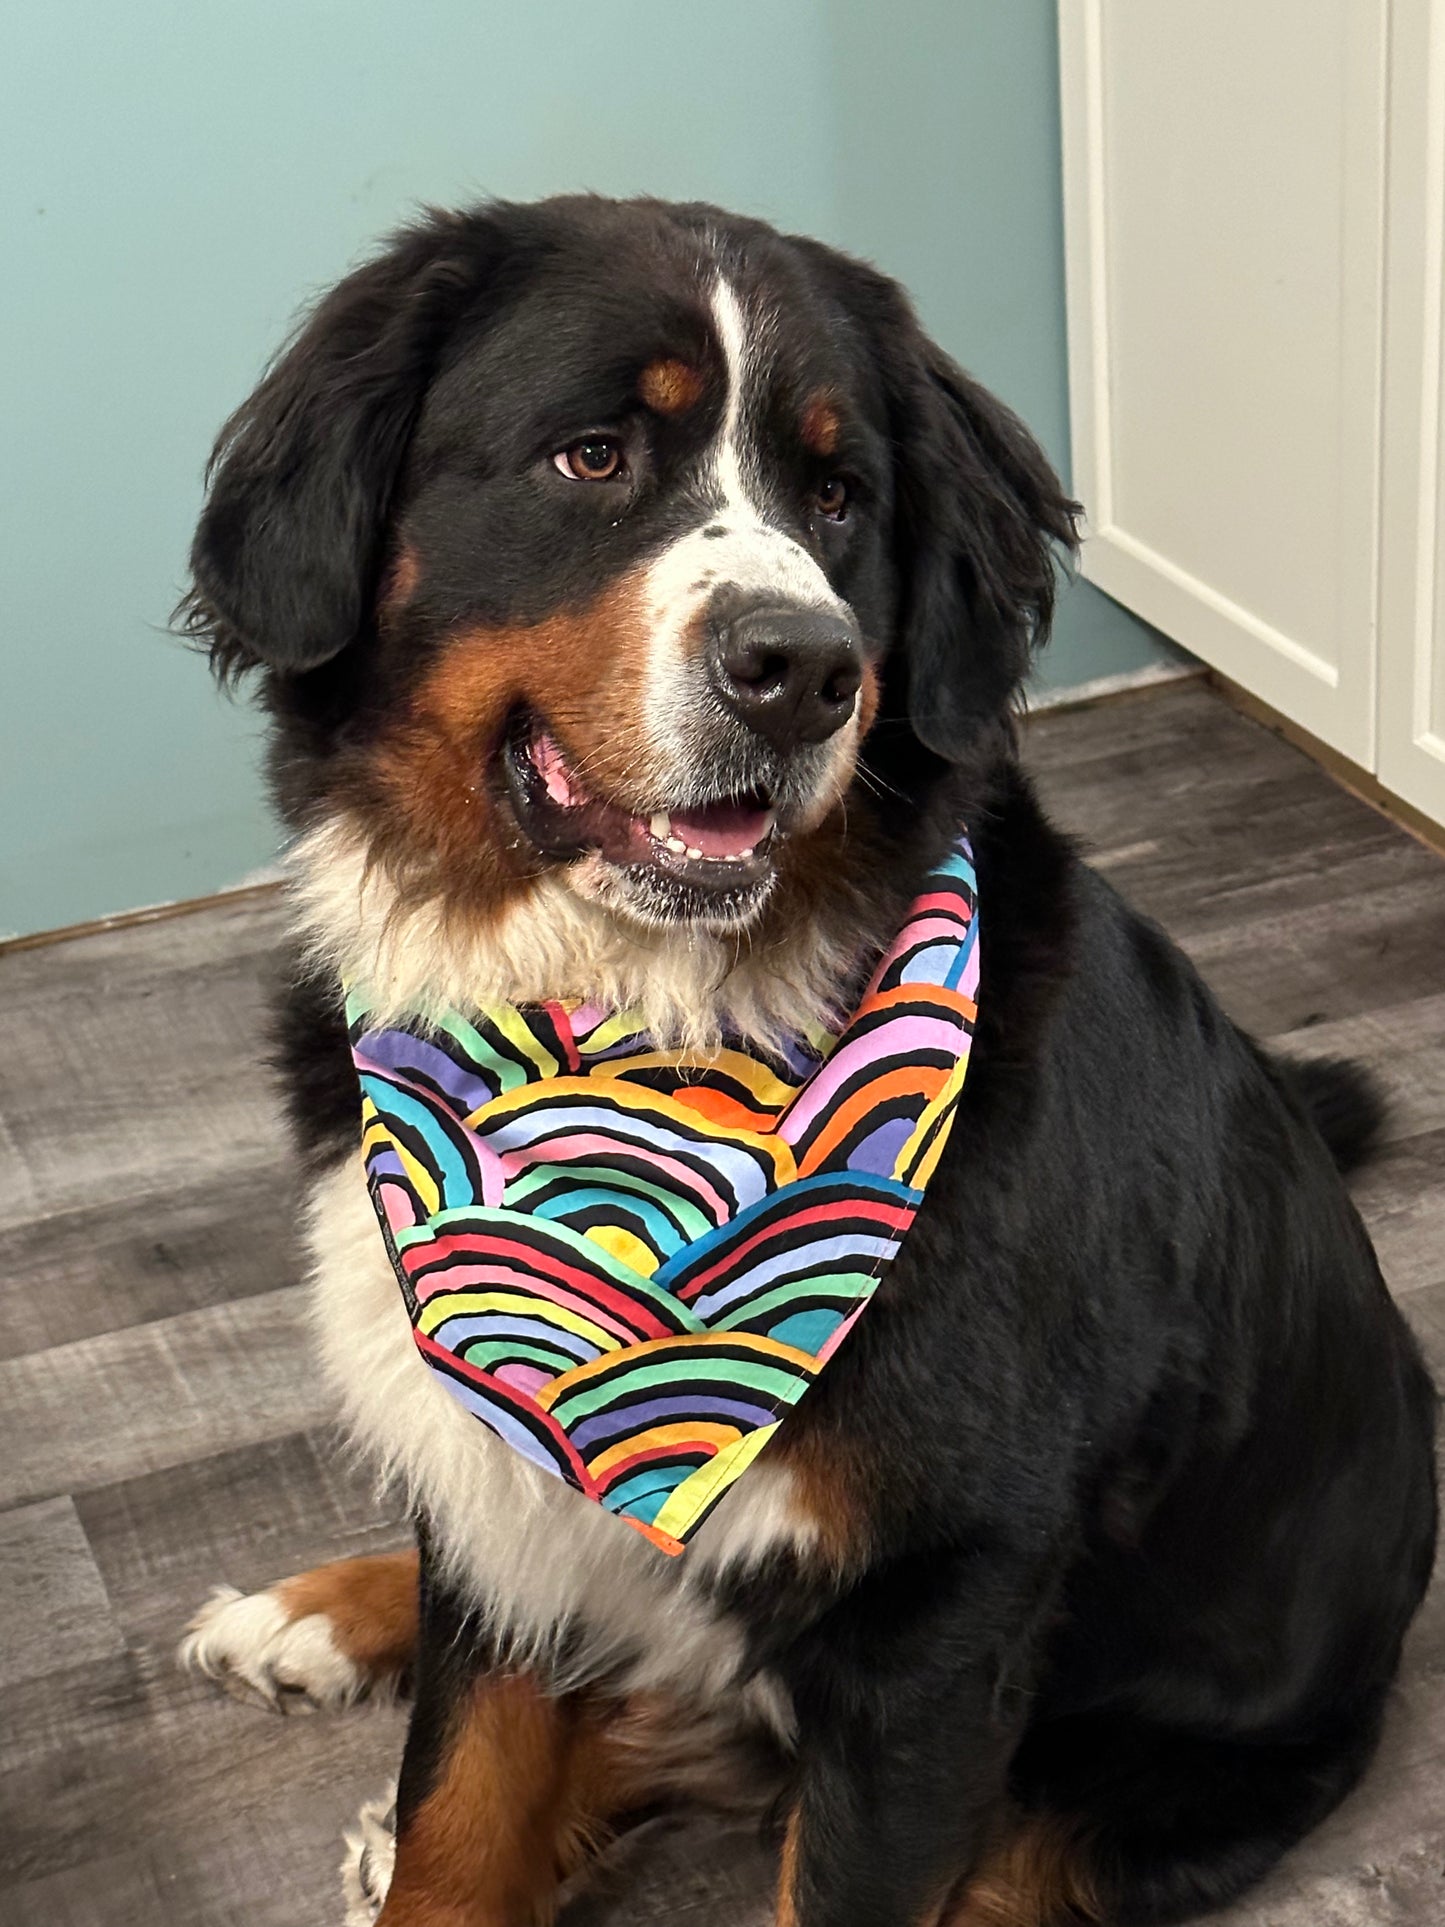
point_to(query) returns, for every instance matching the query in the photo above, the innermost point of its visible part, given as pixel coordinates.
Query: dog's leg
(910, 1698)
(508, 1785)
(841, 1864)
(325, 1637)
(1038, 1873)
(615, 1760)
(499, 1807)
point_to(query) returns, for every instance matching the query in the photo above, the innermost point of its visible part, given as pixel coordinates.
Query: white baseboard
(1088, 692)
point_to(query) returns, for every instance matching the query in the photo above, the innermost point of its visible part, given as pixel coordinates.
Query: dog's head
(589, 540)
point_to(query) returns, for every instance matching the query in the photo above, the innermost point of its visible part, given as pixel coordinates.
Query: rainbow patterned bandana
(630, 1262)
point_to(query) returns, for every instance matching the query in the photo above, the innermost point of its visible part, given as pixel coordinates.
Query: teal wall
(176, 180)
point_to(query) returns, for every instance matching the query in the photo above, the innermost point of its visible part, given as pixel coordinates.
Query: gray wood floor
(161, 1427)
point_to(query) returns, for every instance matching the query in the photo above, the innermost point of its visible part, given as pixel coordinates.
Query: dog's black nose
(790, 674)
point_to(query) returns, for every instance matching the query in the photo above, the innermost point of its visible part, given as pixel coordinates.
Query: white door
(1224, 196)
(1411, 759)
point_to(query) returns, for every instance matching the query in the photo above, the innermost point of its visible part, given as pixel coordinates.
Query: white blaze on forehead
(742, 372)
(753, 549)
(746, 553)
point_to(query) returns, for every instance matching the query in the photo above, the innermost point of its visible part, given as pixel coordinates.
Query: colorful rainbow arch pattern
(629, 1263)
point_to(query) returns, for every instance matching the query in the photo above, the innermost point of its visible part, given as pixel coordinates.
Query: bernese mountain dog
(639, 599)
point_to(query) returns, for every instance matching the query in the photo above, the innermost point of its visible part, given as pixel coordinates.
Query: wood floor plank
(141, 1060)
(244, 1518)
(102, 1267)
(1403, 1044)
(1402, 1200)
(121, 1890)
(1247, 852)
(1143, 737)
(1206, 768)
(159, 1394)
(1326, 961)
(240, 1810)
(54, 1609)
(1425, 1310)
(1227, 802)
(90, 964)
(1239, 895)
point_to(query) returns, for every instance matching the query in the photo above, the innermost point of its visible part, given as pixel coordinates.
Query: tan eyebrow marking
(821, 424)
(398, 584)
(669, 386)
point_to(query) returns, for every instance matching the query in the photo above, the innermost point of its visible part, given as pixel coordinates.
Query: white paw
(370, 1857)
(249, 1644)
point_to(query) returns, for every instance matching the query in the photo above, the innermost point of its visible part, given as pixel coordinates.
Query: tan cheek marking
(821, 425)
(370, 1603)
(670, 387)
(584, 670)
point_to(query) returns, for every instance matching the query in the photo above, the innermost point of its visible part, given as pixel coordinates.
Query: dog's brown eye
(593, 460)
(832, 498)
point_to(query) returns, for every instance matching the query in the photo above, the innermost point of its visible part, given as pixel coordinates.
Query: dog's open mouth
(721, 846)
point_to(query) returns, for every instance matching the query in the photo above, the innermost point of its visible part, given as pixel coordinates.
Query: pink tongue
(551, 766)
(723, 829)
(718, 829)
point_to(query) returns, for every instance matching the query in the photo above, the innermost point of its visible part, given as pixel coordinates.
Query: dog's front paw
(252, 1646)
(370, 1857)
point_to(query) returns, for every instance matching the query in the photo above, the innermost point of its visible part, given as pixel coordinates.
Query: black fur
(1175, 1477)
(1347, 1105)
(1147, 1448)
(311, 1050)
(289, 549)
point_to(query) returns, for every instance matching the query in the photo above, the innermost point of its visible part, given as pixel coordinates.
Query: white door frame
(1411, 748)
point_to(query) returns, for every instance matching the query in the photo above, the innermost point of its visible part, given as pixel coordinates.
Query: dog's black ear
(979, 517)
(286, 557)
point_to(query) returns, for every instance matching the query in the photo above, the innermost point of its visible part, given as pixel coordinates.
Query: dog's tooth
(661, 825)
(676, 845)
(694, 854)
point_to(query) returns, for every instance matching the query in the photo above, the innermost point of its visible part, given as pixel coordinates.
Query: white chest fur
(533, 1556)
